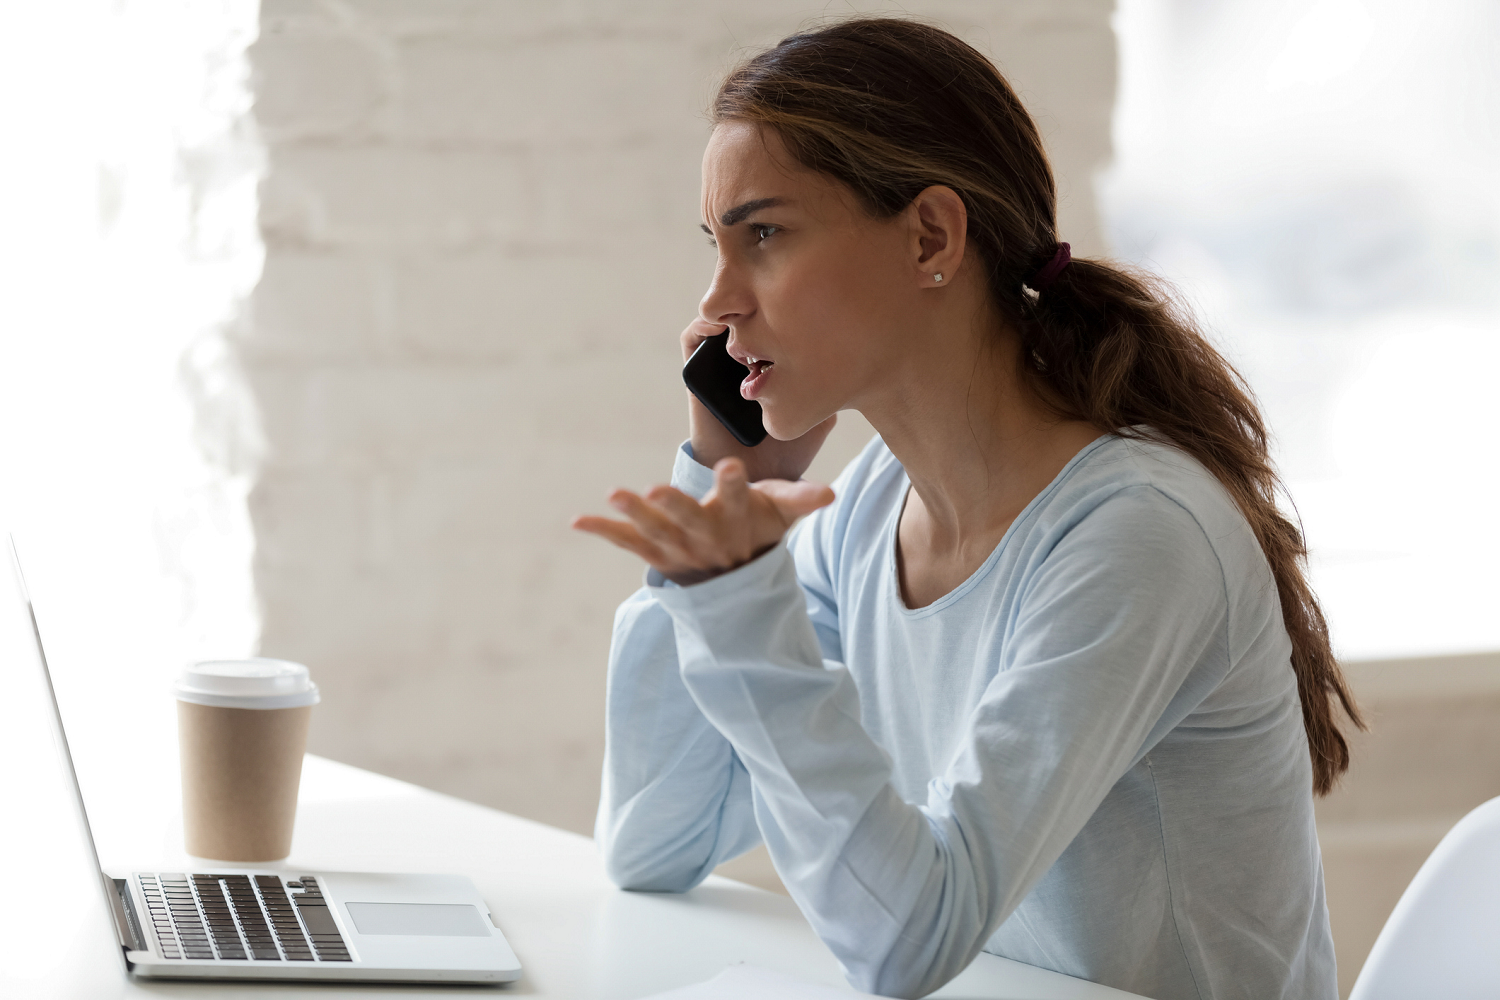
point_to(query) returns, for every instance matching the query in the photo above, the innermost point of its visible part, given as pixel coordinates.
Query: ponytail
(891, 107)
(1109, 347)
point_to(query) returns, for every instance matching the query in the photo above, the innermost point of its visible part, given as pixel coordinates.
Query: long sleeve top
(1088, 757)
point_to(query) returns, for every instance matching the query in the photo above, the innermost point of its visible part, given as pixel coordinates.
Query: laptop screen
(49, 830)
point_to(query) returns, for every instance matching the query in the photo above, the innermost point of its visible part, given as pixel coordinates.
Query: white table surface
(578, 937)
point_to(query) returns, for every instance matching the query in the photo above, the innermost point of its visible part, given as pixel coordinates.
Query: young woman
(1040, 675)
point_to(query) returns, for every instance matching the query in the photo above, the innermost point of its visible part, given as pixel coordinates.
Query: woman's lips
(755, 382)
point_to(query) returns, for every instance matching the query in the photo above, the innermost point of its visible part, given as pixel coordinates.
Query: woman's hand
(689, 542)
(711, 440)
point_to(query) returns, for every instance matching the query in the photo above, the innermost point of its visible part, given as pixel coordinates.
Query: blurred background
(319, 319)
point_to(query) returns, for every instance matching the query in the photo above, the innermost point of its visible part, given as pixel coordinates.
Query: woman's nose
(727, 301)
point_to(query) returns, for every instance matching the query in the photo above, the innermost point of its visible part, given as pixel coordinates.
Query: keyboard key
(318, 919)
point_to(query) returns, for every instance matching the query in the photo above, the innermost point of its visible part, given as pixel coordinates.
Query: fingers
(692, 520)
(689, 541)
(696, 333)
(730, 502)
(794, 499)
(732, 489)
(620, 533)
(654, 524)
(676, 505)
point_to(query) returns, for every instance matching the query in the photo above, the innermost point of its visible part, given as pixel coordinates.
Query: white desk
(577, 936)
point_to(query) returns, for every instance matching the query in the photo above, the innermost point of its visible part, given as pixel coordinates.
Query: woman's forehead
(745, 164)
(739, 157)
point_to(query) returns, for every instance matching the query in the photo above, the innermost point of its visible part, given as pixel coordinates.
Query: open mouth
(755, 382)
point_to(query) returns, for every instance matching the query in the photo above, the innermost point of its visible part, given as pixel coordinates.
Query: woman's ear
(940, 226)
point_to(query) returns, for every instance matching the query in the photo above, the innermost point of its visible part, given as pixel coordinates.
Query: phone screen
(714, 377)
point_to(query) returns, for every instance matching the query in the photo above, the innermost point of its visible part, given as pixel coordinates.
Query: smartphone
(714, 377)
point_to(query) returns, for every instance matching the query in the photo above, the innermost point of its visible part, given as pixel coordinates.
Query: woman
(1040, 675)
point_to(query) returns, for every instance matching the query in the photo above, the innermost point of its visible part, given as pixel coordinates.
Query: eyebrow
(741, 212)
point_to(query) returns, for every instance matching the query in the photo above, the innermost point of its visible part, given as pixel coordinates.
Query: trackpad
(430, 919)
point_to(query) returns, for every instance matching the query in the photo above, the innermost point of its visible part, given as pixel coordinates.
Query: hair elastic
(1053, 268)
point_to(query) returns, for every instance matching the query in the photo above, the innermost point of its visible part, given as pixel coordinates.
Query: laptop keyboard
(240, 917)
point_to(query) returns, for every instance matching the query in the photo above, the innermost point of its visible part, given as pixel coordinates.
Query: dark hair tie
(1048, 274)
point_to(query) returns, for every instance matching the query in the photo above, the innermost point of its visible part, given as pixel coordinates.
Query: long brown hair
(890, 107)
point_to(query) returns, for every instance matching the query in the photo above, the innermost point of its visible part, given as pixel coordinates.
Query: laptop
(235, 923)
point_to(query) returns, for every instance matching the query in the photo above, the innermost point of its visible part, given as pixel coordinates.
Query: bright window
(1322, 181)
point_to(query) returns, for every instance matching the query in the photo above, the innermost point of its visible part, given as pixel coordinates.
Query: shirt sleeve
(675, 801)
(1113, 642)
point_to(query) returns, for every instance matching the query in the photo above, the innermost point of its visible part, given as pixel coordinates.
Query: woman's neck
(976, 442)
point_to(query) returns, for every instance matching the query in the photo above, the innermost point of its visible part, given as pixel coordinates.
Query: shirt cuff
(760, 573)
(690, 477)
(693, 479)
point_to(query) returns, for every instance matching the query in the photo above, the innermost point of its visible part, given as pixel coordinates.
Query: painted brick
(629, 194)
(530, 19)
(384, 416)
(383, 195)
(567, 89)
(315, 85)
(505, 307)
(310, 518)
(317, 307)
(278, 16)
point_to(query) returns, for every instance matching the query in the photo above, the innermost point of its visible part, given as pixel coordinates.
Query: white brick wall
(480, 223)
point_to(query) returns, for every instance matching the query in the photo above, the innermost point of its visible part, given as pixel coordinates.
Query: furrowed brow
(740, 213)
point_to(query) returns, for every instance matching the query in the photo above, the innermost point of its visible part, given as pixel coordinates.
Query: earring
(938, 278)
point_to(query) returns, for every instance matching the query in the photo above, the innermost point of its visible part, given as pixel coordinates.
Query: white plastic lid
(259, 682)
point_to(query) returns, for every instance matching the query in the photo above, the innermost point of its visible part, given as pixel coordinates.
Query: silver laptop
(230, 923)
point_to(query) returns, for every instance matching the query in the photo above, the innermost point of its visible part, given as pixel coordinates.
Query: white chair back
(1443, 938)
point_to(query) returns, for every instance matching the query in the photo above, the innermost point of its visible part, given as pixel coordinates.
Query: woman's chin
(787, 427)
(776, 424)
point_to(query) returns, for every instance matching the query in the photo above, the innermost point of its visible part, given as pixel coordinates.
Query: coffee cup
(242, 725)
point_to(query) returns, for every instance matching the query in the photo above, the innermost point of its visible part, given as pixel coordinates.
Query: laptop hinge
(127, 925)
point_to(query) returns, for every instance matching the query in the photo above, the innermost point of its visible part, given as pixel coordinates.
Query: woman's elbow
(899, 973)
(648, 880)
(644, 873)
(904, 983)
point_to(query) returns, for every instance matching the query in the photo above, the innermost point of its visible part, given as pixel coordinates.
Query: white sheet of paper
(750, 982)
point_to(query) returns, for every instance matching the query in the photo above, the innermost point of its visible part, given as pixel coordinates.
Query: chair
(1443, 938)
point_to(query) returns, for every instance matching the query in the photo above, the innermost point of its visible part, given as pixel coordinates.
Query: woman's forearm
(675, 802)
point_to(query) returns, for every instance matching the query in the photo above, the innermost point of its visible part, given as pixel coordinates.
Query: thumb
(794, 499)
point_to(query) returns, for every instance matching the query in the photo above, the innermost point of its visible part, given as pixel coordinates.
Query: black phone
(714, 377)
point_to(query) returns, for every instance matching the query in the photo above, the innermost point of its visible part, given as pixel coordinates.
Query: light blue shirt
(1089, 757)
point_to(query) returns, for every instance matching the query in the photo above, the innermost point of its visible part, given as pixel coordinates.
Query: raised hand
(689, 542)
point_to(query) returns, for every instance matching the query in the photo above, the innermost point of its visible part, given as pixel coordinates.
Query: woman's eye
(764, 232)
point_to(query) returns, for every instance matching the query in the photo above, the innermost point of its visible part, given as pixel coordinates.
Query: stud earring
(937, 278)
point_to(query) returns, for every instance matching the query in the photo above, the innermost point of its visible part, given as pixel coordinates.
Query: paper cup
(242, 725)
